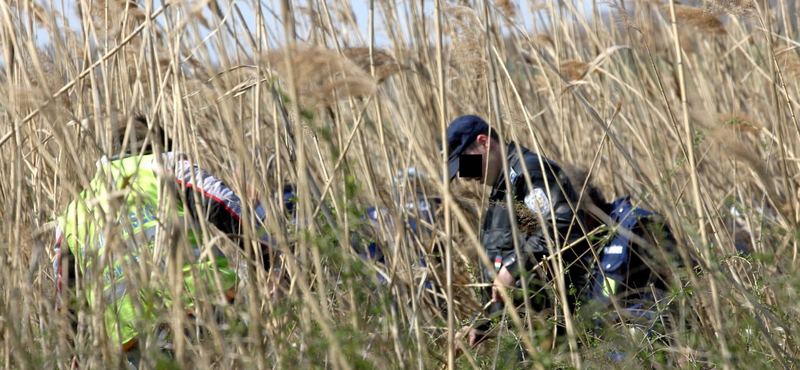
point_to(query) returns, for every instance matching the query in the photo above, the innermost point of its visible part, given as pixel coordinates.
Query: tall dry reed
(328, 111)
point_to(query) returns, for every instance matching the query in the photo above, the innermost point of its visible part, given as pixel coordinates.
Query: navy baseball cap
(461, 133)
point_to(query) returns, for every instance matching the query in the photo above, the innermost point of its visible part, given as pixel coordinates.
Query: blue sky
(360, 10)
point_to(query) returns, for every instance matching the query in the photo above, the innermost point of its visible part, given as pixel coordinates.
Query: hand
(274, 290)
(504, 279)
(276, 284)
(472, 338)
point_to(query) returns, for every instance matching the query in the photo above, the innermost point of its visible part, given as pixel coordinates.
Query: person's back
(626, 270)
(635, 252)
(417, 211)
(415, 225)
(138, 213)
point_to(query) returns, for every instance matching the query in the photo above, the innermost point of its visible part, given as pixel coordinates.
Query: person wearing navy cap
(475, 152)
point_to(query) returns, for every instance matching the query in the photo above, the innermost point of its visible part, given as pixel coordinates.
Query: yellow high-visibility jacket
(112, 230)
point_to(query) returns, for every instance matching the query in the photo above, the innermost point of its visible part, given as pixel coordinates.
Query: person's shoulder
(621, 203)
(75, 212)
(531, 158)
(533, 161)
(624, 207)
(625, 204)
(171, 157)
(177, 161)
(542, 167)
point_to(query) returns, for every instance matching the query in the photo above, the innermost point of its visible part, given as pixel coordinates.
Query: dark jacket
(496, 231)
(627, 270)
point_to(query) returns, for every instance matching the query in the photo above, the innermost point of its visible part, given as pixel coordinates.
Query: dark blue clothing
(419, 213)
(621, 270)
(735, 224)
(624, 270)
(288, 198)
(550, 196)
(418, 218)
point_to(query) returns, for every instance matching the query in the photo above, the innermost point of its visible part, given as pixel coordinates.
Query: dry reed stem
(116, 11)
(233, 116)
(385, 64)
(466, 54)
(739, 8)
(323, 76)
(789, 62)
(507, 7)
(740, 122)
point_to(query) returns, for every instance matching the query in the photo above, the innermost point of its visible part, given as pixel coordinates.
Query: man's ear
(483, 140)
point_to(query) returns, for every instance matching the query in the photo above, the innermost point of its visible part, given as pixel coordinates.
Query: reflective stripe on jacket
(116, 222)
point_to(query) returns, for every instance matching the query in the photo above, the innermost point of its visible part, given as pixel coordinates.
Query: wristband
(510, 261)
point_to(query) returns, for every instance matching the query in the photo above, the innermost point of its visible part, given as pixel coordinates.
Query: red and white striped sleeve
(221, 205)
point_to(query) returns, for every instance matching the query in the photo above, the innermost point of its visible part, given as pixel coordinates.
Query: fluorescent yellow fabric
(125, 213)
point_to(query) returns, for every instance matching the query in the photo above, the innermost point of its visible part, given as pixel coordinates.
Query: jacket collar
(499, 187)
(105, 160)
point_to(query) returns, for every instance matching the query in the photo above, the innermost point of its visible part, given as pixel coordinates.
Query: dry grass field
(691, 109)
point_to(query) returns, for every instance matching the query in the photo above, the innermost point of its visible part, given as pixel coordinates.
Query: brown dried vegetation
(574, 70)
(323, 76)
(739, 8)
(385, 65)
(466, 54)
(697, 19)
(219, 106)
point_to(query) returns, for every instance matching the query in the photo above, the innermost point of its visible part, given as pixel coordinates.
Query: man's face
(486, 148)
